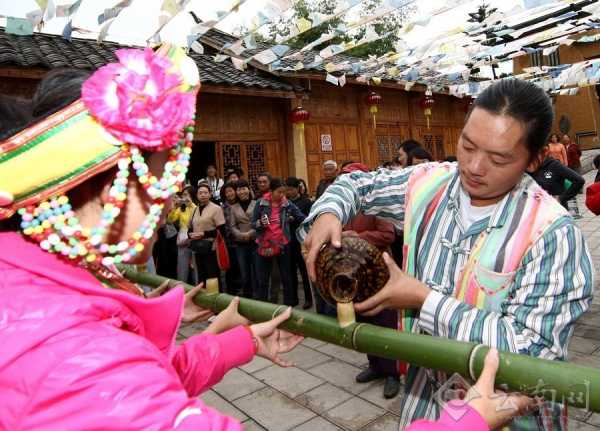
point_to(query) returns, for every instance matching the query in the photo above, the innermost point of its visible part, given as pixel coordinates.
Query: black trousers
(298, 264)
(207, 266)
(386, 319)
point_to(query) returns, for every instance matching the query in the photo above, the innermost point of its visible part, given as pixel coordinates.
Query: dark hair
(387, 164)
(451, 159)
(292, 182)
(346, 163)
(418, 153)
(241, 183)
(525, 102)
(201, 185)
(275, 183)
(264, 174)
(58, 89)
(227, 185)
(409, 145)
(302, 182)
(15, 113)
(597, 161)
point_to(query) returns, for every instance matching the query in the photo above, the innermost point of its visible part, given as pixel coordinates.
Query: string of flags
(449, 59)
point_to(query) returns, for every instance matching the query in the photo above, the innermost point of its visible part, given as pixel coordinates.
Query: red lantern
(373, 100)
(427, 103)
(299, 116)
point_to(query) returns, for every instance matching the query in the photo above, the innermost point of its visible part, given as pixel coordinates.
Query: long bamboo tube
(564, 382)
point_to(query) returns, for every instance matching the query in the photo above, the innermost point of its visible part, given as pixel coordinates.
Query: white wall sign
(326, 144)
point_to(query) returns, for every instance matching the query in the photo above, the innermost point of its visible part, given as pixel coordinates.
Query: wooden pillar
(299, 164)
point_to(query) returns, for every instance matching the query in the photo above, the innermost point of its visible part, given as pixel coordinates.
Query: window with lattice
(255, 155)
(434, 144)
(387, 147)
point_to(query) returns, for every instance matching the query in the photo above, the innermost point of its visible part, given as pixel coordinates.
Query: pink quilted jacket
(78, 356)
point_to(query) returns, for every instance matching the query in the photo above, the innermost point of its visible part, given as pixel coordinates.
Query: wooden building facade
(243, 117)
(343, 114)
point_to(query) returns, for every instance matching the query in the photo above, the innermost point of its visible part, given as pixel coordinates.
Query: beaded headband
(145, 102)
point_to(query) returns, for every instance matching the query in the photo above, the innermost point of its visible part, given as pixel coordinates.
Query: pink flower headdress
(144, 102)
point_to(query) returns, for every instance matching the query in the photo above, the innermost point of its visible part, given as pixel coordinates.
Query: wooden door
(345, 145)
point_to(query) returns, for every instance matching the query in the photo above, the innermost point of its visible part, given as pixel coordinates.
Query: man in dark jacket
(297, 261)
(551, 176)
(329, 176)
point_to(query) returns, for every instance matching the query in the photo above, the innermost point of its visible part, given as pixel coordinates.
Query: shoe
(307, 305)
(368, 375)
(391, 387)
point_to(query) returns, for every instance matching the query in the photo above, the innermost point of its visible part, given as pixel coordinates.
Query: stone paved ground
(319, 393)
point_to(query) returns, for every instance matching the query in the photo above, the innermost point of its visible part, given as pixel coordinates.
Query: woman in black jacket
(551, 176)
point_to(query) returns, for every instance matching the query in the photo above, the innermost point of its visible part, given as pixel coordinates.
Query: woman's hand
(326, 228)
(496, 408)
(228, 318)
(272, 341)
(264, 220)
(196, 235)
(191, 312)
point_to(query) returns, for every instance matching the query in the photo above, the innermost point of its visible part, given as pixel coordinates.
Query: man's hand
(228, 318)
(496, 408)
(400, 292)
(326, 228)
(273, 341)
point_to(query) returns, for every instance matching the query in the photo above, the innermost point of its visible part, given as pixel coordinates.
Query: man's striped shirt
(550, 290)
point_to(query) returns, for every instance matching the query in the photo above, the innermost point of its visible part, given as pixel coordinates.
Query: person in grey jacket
(244, 235)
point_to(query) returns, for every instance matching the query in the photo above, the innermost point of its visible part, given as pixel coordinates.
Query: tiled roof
(49, 51)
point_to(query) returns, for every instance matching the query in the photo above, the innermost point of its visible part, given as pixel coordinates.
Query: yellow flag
(169, 6)
(330, 67)
(303, 25)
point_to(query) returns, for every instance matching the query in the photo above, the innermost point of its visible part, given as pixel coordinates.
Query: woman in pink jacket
(82, 348)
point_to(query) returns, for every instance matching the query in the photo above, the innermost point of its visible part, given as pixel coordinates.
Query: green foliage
(483, 11)
(385, 26)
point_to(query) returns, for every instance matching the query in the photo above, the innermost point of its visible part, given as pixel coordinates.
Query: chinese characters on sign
(326, 144)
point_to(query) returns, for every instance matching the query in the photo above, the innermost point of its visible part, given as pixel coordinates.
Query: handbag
(202, 247)
(269, 248)
(222, 253)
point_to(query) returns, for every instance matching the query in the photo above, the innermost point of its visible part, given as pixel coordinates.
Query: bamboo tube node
(472, 357)
(278, 311)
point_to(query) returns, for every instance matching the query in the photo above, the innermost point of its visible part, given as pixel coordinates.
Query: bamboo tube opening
(343, 287)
